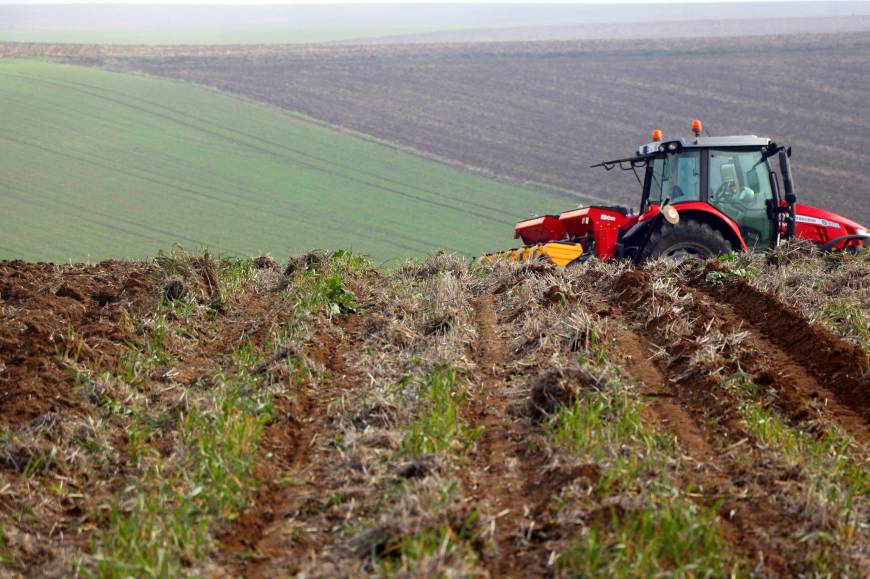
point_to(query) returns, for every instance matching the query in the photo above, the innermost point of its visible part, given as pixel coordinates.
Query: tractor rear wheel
(686, 239)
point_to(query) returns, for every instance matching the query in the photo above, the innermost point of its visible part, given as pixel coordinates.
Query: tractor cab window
(676, 176)
(740, 188)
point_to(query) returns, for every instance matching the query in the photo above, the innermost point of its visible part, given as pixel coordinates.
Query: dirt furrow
(636, 353)
(291, 473)
(507, 476)
(811, 367)
(687, 401)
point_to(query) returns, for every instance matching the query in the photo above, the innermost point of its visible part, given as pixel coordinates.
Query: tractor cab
(708, 195)
(732, 176)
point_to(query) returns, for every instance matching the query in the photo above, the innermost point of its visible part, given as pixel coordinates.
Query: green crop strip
(837, 478)
(675, 535)
(166, 517)
(439, 425)
(596, 424)
(174, 505)
(451, 533)
(454, 541)
(99, 164)
(665, 530)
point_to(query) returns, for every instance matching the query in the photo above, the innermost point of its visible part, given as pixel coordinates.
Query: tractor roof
(645, 152)
(705, 143)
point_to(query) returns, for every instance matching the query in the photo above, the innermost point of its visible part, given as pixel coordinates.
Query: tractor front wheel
(686, 239)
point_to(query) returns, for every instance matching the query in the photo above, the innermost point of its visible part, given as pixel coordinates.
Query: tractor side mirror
(788, 152)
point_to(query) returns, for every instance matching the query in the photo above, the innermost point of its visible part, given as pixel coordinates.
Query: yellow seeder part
(559, 253)
(562, 253)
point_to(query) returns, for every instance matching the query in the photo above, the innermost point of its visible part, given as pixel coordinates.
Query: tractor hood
(822, 226)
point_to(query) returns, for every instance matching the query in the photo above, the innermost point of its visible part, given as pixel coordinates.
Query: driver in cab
(731, 190)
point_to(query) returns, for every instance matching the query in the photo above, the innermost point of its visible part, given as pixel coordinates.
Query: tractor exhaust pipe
(790, 197)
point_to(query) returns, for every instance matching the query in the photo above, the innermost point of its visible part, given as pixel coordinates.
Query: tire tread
(690, 229)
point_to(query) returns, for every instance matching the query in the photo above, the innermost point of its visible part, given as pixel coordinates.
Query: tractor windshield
(740, 188)
(676, 176)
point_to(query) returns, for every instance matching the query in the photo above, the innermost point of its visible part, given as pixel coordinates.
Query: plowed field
(187, 415)
(546, 111)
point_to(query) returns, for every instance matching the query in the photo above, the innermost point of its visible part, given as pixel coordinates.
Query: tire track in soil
(683, 402)
(286, 449)
(635, 352)
(506, 474)
(814, 371)
(249, 320)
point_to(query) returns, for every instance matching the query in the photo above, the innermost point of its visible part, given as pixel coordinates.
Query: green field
(206, 35)
(95, 164)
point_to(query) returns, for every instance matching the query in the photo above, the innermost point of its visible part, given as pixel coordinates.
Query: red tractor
(702, 196)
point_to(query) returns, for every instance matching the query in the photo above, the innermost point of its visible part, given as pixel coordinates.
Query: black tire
(686, 239)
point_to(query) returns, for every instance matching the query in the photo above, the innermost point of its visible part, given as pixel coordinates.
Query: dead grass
(827, 506)
(830, 289)
(329, 419)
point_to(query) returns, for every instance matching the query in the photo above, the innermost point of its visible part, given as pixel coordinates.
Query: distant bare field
(736, 27)
(545, 111)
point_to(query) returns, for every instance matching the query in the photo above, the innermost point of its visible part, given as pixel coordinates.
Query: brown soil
(840, 369)
(668, 412)
(685, 400)
(815, 374)
(259, 540)
(505, 473)
(46, 310)
(509, 475)
(514, 474)
(287, 442)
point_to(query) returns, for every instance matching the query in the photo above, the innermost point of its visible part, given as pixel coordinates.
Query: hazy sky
(262, 2)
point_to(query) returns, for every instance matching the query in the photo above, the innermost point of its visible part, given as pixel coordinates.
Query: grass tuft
(171, 510)
(838, 478)
(721, 278)
(326, 287)
(415, 551)
(848, 319)
(608, 428)
(644, 526)
(676, 535)
(439, 425)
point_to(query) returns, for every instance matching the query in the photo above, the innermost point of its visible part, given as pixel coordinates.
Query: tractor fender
(865, 239)
(630, 242)
(706, 213)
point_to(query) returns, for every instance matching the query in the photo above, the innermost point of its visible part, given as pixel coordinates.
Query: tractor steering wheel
(726, 191)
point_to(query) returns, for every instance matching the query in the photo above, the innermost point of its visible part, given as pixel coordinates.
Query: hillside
(730, 27)
(211, 36)
(459, 31)
(190, 416)
(546, 111)
(98, 164)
